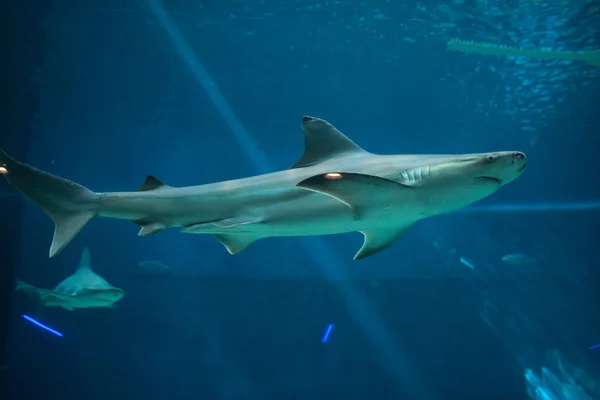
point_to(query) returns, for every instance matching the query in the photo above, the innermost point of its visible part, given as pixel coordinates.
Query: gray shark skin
(83, 289)
(336, 187)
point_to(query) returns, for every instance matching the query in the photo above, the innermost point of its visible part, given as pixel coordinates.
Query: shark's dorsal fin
(152, 183)
(322, 141)
(84, 261)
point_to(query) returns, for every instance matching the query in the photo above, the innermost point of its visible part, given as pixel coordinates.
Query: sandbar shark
(335, 187)
(83, 289)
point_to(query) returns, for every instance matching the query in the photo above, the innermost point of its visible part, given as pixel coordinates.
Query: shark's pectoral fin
(362, 193)
(322, 141)
(377, 240)
(41, 294)
(209, 227)
(234, 243)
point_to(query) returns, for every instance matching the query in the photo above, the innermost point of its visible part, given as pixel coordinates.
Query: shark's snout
(519, 159)
(508, 166)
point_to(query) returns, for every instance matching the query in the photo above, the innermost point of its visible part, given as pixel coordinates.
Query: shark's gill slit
(416, 175)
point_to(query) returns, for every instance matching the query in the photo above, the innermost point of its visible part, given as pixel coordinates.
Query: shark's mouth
(489, 178)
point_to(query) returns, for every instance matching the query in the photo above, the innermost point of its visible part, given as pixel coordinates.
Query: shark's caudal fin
(66, 202)
(21, 285)
(322, 141)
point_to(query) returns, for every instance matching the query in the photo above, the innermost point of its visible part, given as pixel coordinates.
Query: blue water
(199, 92)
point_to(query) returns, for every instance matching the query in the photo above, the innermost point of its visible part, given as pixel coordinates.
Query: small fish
(154, 266)
(519, 259)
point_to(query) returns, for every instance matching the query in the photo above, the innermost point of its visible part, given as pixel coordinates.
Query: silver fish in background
(518, 259)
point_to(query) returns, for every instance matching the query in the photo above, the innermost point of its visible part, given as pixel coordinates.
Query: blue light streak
(534, 207)
(467, 263)
(327, 333)
(37, 323)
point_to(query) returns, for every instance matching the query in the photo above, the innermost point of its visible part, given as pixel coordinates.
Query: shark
(335, 187)
(83, 289)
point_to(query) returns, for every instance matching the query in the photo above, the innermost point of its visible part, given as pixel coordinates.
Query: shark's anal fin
(151, 229)
(322, 141)
(362, 193)
(377, 240)
(234, 243)
(152, 183)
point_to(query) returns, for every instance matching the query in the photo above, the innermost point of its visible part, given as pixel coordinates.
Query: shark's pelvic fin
(360, 192)
(322, 141)
(234, 243)
(84, 260)
(377, 240)
(152, 183)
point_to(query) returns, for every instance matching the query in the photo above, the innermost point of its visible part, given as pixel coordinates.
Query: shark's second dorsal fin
(152, 183)
(84, 261)
(322, 141)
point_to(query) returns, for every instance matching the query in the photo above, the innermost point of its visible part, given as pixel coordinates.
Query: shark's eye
(491, 158)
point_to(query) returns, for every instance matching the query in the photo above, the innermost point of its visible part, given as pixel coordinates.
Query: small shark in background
(83, 289)
(335, 187)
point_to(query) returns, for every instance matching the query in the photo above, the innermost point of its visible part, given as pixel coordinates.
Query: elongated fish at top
(335, 187)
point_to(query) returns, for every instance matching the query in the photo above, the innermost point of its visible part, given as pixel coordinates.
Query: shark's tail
(21, 285)
(70, 205)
